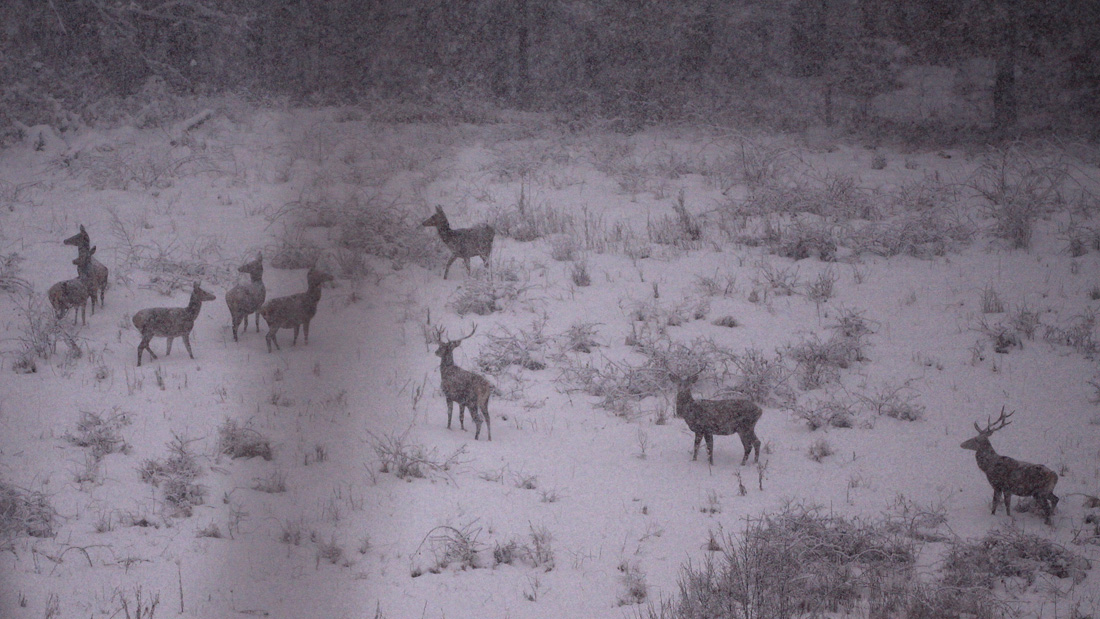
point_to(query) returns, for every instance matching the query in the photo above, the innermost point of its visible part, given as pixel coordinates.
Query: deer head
(447, 347)
(436, 220)
(982, 439)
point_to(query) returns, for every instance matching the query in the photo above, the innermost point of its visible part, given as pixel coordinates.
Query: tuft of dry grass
(101, 436)
(176, 476)
(409, 461)
(240, 442)
(24, 512)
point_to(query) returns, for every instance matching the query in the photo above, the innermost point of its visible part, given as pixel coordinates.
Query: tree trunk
(1004, 83)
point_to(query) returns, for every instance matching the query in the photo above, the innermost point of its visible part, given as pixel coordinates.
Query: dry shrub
(1010, 554)
(1019, 186)
(239, 442)
(799, 562)
(176, 476)
(23, 512)
(408, 460)
(102, 436)
(524, 348)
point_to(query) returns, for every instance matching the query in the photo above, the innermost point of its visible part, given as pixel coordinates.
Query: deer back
(172, 321)
(469, 242)
(721, 416)
(1015, 476)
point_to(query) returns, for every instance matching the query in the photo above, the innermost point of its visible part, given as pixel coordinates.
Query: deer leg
(270, 337)
(169, 351)
(1008, 502)
(256, 319)
(710, 447)
(187, 343)
(467, 261)
(294, 342)
(996, 499)
(746, 442)
(695, 452)
(449, 263)
(477, 422)
(450, 410)
(484, 406)
(236, 323)
(305, 329)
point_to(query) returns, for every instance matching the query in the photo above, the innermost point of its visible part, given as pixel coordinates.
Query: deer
(1009, 476)
(74, 293)
(722, 417)
(294, 311)
(99, 272)
(245, 299)
(464, 243)
(469, 389)
(170, 322)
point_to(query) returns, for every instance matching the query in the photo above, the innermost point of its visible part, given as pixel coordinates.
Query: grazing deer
(294, 311)
(247, 298)
(464, 243)
(99, 272)
(470, 390)
(722, 417)
(74, 292)
(170, 322)
(1009, 476)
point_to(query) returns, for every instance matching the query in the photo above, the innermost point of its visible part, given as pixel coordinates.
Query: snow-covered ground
(599, 489)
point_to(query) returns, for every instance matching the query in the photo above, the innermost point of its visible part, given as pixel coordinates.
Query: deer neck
(447, 360)
(444, 228)
(313, 295)
(194, 305)
(683, 400)
(985, 455)
(257, 277)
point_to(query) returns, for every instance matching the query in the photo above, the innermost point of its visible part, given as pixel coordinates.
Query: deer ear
(92, 250)
(439, 209)
(82, 228)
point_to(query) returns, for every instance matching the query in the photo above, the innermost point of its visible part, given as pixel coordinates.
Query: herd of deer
(705, 418)
(290, 312)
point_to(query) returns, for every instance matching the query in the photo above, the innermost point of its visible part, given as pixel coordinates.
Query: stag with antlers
(1009, 476)
(706, 418)
(470, 390)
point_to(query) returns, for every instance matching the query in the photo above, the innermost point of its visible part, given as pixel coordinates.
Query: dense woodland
(1030, 65)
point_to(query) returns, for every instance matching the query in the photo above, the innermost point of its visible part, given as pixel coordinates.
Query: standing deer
(464, 243)
(722, 417)
(470, 390)
(247, 298)
(99, 272)
(296, 310)
(170, 322)
(1009, 476)
(73, 293)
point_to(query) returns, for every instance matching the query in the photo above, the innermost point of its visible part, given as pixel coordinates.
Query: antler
(993, 426)
(472, 331)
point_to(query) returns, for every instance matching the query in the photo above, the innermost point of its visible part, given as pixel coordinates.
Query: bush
(410, 461)
(504, 348)
(24, 513)
(238, 442)
(1010, 554)
(1018, 187)
(102, 436)
(484, 294)
(797, 563)
(819, 362)
(176, 476)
